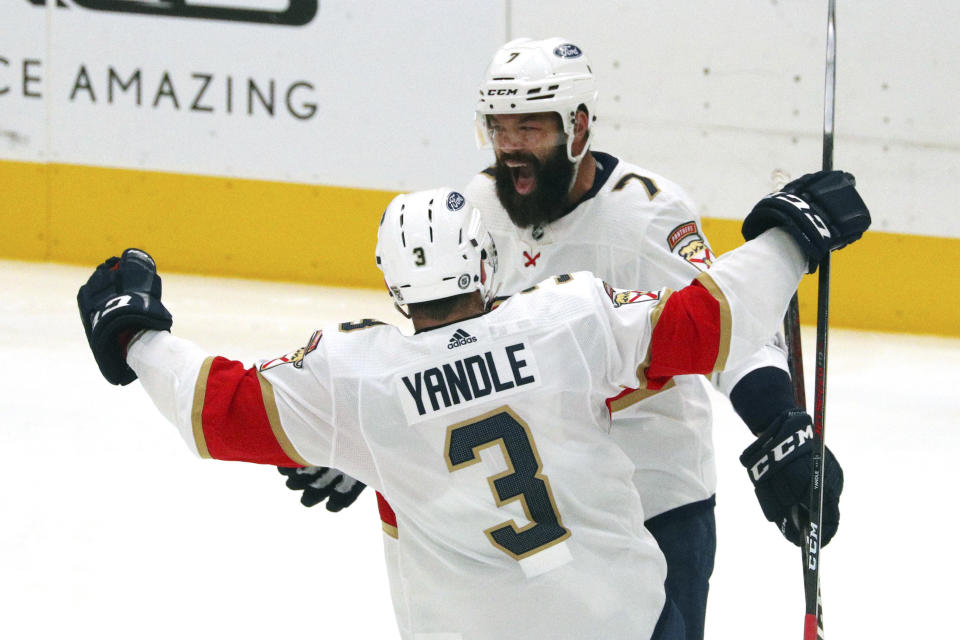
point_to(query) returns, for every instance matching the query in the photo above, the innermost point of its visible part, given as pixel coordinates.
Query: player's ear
(581, 129)
(582, 122)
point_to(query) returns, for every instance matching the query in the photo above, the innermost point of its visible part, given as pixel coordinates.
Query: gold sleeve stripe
(725, 319)
(654, 319)
(636, 396)
(273, 415)
(196, 413)
(390, 530)
(655, 315)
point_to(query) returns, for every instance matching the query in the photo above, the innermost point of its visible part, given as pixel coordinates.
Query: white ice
(110, 529)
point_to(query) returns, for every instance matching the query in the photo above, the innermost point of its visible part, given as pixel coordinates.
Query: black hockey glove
(120, 298)
(779, 464)
(323, 483)
(822, 211)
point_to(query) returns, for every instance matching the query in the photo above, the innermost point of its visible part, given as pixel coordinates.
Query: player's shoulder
(563, 293)
(355, 340)
(482, 184)
(481, 192)
(628, 183)
(364, 329)
(366, 337)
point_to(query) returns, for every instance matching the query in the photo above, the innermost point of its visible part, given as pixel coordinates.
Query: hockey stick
(791, 333)
(813, 618)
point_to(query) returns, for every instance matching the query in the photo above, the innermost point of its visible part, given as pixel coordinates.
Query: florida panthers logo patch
(296, 357)
(688, 243)
(620, 297)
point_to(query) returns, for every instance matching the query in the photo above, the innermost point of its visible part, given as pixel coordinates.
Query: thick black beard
(548, 200)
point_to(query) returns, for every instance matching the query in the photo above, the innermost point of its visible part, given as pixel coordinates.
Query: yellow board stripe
(885, 282)
(273, 415)
(196, 413)
(193, 224)
(327, 234)
(725, 319)
(390, 530)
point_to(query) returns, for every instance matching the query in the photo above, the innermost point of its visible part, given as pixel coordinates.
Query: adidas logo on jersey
(460, 338)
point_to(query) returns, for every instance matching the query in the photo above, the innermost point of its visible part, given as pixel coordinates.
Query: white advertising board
(374, 94)
(720, 96)
(723, 98)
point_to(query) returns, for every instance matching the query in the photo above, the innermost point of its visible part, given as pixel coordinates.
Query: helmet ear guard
(536, 76)
(432, 245)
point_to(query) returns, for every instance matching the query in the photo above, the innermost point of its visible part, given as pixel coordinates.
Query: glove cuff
(110, 352)
(773, 212)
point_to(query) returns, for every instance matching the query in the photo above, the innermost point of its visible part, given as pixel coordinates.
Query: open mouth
(524, 179)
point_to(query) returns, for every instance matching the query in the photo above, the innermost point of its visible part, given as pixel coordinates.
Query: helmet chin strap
(576, 173)
(490, 287)
(576, 160)
(489, 296)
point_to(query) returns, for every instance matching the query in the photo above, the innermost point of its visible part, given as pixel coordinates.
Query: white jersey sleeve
(227, 411)
(715, 323)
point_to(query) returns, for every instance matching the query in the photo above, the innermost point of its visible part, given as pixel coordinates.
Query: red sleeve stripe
(235, 416)
(654, 320)
(691, 334)
(388, 519)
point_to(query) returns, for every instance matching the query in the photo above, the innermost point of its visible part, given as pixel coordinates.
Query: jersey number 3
(522, 480)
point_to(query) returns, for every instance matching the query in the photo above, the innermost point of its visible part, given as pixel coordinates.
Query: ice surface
(111, 529)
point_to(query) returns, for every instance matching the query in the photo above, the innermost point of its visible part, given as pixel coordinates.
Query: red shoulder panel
(236, 422)
(686, 338)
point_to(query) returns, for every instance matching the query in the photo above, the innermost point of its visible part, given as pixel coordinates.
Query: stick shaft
(813, 623)
(791, 334)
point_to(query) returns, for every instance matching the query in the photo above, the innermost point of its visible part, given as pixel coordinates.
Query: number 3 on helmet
(433, 245)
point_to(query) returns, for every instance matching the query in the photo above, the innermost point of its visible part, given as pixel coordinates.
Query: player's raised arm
(728, 312)
(222, 409)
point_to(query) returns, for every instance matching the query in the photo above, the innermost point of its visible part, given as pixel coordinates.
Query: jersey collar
(606, 163)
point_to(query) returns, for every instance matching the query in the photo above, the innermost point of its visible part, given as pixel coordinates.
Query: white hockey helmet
(433, 245)
(534, 76)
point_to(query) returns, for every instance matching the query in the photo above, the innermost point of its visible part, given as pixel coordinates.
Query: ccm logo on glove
(111, 305)
(804, 208)
(781, 451)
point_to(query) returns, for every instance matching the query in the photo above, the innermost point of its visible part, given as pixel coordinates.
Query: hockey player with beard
(553, 205)
(518, 512)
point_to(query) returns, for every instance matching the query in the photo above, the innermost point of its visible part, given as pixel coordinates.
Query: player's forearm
(757, 281)
(168, 367)
(223, 409)
(762, 395)
(728, 313)
(772, 355)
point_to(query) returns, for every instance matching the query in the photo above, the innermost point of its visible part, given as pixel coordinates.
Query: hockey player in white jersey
(489, 430)
(555, 206)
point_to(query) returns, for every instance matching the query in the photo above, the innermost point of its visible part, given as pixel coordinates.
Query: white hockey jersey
(634, 229)
(490, 435)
